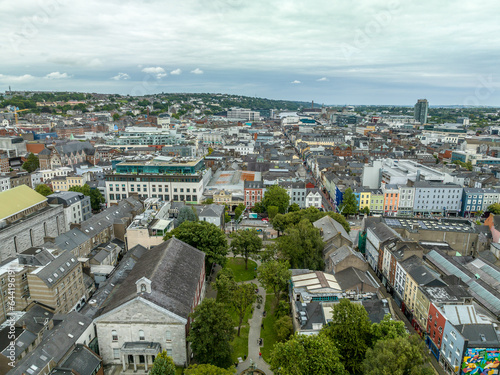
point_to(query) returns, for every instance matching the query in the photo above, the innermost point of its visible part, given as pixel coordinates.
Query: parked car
(265, 219)
(351, 223)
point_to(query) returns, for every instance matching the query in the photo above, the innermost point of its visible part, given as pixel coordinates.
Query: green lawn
(234, 315)
(240, 344)
(268, 333)
(238, 267)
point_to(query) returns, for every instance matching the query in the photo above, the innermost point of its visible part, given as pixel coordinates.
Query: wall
(53, 218)
(481, 361)
(128, 319)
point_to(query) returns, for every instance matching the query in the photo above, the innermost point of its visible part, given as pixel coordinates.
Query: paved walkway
(254, 335)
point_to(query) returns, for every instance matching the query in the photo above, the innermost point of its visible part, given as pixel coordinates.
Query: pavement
(253, 336)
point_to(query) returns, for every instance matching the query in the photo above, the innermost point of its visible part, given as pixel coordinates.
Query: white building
(313, 198)
(4, 183)
(149, 312)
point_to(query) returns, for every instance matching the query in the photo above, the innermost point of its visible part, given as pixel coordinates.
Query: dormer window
(143, 285)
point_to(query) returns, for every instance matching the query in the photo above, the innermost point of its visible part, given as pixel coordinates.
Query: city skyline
(368, 53)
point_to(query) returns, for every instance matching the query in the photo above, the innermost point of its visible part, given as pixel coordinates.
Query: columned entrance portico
(138, 354)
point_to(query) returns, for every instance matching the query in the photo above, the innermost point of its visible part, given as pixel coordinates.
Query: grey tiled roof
(58, 268)
(55, 343)
(174, 269)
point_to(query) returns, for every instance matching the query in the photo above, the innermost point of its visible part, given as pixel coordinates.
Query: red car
(265, 219)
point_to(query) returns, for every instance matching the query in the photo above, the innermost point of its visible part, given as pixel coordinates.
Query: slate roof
(384, 232)
(174, 269)
(479, 335)
(59, 268)
(423, 275)
(70, 240)
(343, 252)
(350, 277)
(82, 360)
(55, 344)
(331, 228)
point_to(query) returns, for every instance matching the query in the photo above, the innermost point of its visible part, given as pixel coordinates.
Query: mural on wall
(481, 362)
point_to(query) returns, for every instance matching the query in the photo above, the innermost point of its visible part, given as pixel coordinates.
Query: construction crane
(16, 110)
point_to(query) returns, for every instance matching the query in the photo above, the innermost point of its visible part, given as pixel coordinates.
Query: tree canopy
(275, 274)
(387, 329)
(211, 333)
(306, 355)
(32, 163)
(281, 222)
(276, 195)
(349, 204)
(238, 211)
(246, 243)
(96, 198)
(206, 237)
(163, 365)
(494, 208)
(243, 297)
(397, 356)
(207, 369)
(186, 214)
(350, 331)
(302, 246)
(43, 189)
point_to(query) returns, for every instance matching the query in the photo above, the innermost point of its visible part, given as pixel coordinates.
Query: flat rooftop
(430, 224)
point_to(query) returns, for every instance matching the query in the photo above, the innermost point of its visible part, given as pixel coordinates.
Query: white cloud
(295, 82)
(176, 72)
(157, 71)
(197, 71)
(17, 79)
(121, 76)
(324, 79)
(57, 75)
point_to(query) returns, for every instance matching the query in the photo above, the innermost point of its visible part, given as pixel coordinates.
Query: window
(168, 336)
(116, 353)
(169, 352)
(114, 335)
(141, 335)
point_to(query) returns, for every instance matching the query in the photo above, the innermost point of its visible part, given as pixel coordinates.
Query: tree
(397, 356)
(274, 274)
(243, 297)
(349, 204)
(280, 223)
(494, 208)
(387, 329)
(211, 333)
(302, 246)
(351, 333)
(208, 370)
(208, 201)
(258, 208)
(32, 163)
(186, 214)
(239, 210)
(225, 284)
(246, 243)
(116, 116)
(294, 207)
(305, 355)
(44, 190)
(272, 211)
(276, 195)
(284, 328)
(163, 365)
(210, 150)
(96, 198)
(206, 237)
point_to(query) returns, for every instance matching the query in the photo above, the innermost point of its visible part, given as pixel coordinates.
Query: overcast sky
(332, 52)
